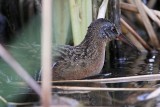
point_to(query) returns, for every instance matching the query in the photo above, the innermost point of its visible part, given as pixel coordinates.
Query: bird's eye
(113, 29)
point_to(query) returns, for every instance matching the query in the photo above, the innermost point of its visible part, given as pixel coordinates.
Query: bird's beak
(126, 40)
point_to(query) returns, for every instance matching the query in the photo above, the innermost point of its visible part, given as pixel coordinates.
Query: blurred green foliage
(25, 46)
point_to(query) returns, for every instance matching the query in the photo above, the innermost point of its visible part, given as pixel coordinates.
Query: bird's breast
(80, 65)
(93, 61)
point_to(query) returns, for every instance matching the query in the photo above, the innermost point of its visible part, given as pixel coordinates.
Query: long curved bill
(126, 40)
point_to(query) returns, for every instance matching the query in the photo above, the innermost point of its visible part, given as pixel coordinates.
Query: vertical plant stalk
(75, 21)
(81, 17)
(147, 24)
(19, 69)
(85, 16)
(102, 9)
(61, 26)
(115, 13)
(94, 9)
(46, 42)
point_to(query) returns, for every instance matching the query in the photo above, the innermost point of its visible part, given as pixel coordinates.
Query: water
(129, 65)
(15, 92)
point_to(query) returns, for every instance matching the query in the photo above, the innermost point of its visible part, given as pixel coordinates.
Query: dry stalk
(152, 77)
(46, 41)
(102, 9)
(73, 88)
(154, 94)
(147, 24)
(19, 69)
(133, 8)
(129, 7)
(135, 34)
(151, 14)
(157, 13)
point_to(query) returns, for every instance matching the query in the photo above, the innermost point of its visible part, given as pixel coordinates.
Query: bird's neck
(91, 40)
(94, 49)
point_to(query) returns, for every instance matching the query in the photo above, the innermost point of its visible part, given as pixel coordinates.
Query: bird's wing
(68, 55)
(62, 53)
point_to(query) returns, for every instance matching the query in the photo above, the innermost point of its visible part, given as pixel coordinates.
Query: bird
(87, 58)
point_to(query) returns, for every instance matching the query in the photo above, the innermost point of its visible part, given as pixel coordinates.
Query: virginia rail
(87, 58)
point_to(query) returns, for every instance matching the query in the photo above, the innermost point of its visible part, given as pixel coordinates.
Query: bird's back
(77, 62)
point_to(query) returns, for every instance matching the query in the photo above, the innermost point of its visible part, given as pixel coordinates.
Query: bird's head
(104, 29)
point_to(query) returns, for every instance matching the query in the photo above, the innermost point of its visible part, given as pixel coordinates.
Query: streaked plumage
(87, 58)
